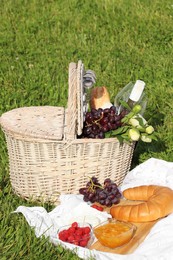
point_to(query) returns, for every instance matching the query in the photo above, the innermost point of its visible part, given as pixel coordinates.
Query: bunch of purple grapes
(99, 121)
(106, 195)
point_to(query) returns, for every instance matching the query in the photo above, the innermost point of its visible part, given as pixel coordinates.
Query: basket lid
(45, 122)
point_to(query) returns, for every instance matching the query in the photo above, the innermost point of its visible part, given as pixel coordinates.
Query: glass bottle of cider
(132, 94)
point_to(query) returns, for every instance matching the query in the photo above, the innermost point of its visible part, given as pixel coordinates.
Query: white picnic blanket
(157, 245)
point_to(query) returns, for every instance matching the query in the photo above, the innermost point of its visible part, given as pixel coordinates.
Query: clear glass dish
(113, 233)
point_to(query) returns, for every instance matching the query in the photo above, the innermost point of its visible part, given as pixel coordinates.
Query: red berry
(61, 232)
(86, 237)
(83, 229)
(65, 232)
(71, 230)
(83, 243)
(97, 207)
(100, 208)
(74, 225)
(71, 239)
(76, 243)
(77, 238)
(62, 236)
(79, 232)
(94, 206)
(87, 230)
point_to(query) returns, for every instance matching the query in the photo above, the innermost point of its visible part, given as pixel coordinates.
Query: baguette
(157, 202)
(100, 98)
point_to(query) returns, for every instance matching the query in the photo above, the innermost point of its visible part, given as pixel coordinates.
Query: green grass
(121, 40)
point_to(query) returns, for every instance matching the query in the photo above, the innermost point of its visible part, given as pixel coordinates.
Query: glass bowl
(113, 233)
(79, 234)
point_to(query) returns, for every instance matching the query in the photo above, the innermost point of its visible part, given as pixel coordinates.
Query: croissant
(157, 202)
(100, 98)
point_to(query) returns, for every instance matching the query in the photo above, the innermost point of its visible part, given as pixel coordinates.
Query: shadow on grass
(143, 150)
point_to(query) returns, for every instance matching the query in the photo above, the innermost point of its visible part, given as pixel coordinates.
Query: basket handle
(71, 111)
(77, 105)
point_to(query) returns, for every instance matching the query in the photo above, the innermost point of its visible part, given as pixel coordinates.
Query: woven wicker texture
(80, 91)
(71, 116)
(43, 170)
(45, 157)
(38, 122)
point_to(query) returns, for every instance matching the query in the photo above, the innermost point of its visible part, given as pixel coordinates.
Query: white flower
(134, 134)
(149, 129)
(146, 139)
(135, 122)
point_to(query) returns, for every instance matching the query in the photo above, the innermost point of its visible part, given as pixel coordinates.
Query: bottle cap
(137, 90)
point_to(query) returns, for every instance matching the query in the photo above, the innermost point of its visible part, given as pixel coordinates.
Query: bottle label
(137, 90)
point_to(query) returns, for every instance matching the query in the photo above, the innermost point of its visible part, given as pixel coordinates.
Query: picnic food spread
(157, 203)
(153, 202)
(150, 239)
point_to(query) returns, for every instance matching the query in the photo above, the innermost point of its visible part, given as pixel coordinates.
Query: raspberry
(79, 232)
(65, 232)
(87, 230)
(61, 237)
(77, 238)
(74, 224)
(86, 237)
(71, 239)
(71, 230)
(76, 243)
(83, 243)
(61, 232)
(83, 230)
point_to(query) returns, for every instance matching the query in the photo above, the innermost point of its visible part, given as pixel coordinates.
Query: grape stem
(97, 121)
(94, 185)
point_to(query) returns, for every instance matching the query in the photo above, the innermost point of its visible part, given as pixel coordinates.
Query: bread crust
(157, 202)
(99, 98)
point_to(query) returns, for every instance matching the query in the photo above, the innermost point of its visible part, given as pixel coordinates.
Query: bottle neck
(131, 103)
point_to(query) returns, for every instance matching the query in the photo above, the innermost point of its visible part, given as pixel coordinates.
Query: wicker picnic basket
(45, 156)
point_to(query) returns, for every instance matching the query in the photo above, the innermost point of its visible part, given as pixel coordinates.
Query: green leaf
(120, 139)
(140, 120)
(120, 130)
(127, 117)
(108, 134)
(125, 104)
(153, 137)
